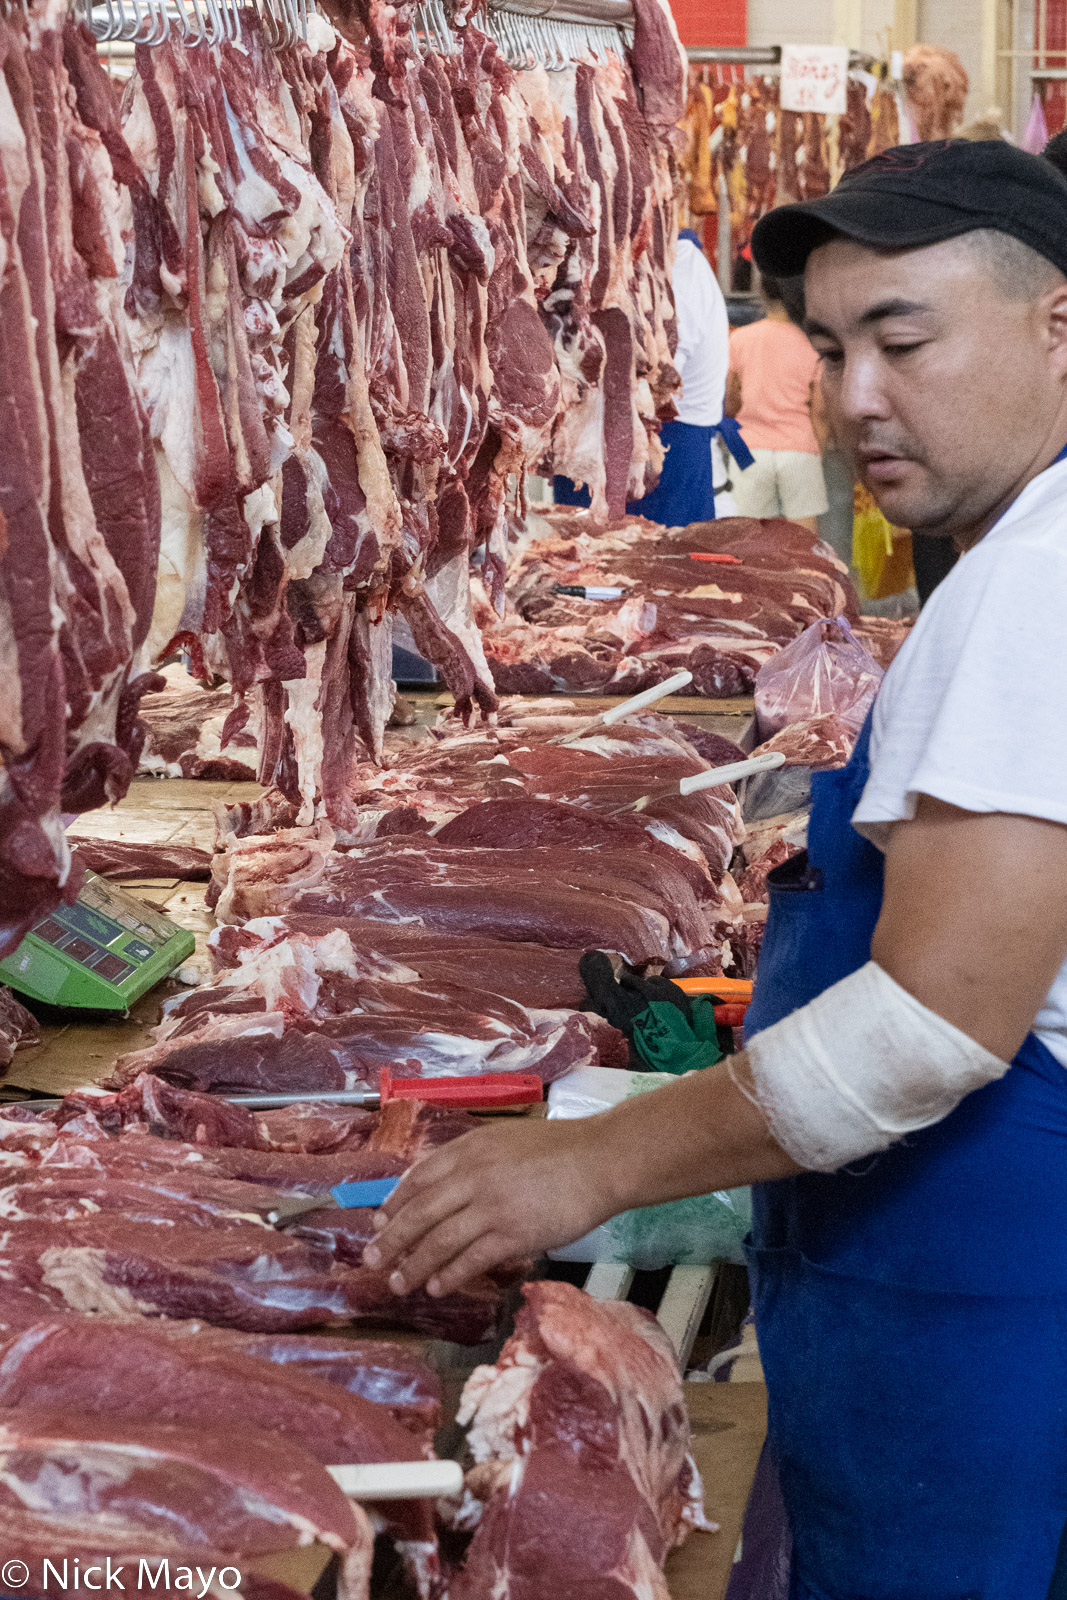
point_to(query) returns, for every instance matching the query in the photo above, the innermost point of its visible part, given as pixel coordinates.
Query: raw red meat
(139, 1154)
(81, 511)
(826, 671)
(414, 1030)
(818, 742)
(69, 1367)
(166, 1111)
(580, 1439)
(198, 733)
(56, 1195)
(403, 1128)
(752, 883)
(723, 623)
(241, 1277)
(286, 332)
(126, 859)
(389, 1374)
(532, 975)
(198, 1382)
(882, 636)
(549, 896)
(18, 1027)
(81, 1485)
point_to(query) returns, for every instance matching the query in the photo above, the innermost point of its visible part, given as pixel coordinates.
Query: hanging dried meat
(768, 156)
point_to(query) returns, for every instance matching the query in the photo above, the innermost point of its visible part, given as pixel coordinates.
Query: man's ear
(1054, 307)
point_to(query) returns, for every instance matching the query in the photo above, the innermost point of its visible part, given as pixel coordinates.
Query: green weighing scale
(101, 953)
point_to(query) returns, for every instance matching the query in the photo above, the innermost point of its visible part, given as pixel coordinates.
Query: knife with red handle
(482, 1092)
(473, 1093)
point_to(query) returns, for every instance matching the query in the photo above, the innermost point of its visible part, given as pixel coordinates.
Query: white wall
(786, 22)
(956, 24)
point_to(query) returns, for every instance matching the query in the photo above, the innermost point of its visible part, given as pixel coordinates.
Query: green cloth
(665, 1040)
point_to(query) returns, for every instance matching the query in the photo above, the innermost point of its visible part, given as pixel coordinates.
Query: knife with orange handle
(731, 994)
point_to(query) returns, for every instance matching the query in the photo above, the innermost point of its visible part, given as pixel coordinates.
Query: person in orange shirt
(772, 391)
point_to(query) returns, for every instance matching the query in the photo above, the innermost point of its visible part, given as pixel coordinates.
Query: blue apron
(911, 1309)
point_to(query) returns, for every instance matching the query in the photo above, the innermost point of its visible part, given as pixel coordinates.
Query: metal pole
(615, 13)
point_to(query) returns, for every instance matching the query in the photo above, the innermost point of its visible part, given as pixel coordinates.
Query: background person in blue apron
(686, 492)
(902, 1099)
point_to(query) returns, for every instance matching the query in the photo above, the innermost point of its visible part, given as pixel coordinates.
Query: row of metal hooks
(191, 22)
(524, 40)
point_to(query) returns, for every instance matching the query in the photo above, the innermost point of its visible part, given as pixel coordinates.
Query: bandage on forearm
(858, 1068)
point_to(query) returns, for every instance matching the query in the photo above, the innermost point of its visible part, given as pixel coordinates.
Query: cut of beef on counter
(195, 1381)
(140, 1156)
(553, 896)
(131, 1223)
(128, 859)
(92, 1487)
(391, 1375)
(414, 1030)
(721, 621)
(240, 1277)
(167, 1378)
(580, 1441)
(402, 1128)
(532, 975)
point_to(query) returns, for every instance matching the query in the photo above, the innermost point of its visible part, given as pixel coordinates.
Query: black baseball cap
(920, 194)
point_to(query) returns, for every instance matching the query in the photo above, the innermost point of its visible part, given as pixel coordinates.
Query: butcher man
(901, 1104)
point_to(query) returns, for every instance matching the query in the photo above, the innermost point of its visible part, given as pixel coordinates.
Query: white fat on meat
(287, 971)
(303, 718)
(255, 872)
(495, 1406)
(77, 1273)
(242, 1026)
(42, 1493)
(677, 841)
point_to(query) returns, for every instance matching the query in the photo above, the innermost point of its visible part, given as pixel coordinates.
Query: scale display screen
(101, 953)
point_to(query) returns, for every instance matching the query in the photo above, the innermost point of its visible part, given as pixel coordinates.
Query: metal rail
(758, 55)
(606, 13)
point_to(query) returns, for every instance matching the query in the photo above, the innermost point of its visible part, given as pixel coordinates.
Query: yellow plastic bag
(881, 553)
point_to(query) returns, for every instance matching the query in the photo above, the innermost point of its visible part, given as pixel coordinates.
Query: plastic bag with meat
(826, 670)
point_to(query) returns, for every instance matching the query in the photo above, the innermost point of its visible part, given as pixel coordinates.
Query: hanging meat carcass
(80, 497)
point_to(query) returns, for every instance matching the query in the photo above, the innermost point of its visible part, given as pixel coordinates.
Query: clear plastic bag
(696, 1232)
(825, 670)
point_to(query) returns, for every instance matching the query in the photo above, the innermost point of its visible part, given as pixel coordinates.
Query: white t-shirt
(973, 711)
(703, 354)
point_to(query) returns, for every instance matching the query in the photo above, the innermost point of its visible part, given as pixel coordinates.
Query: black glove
(621, 1000)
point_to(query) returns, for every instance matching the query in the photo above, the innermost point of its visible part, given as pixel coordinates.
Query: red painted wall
(711, 21)
(1055, 95)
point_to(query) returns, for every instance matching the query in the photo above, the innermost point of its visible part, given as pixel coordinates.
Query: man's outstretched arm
(973, 931)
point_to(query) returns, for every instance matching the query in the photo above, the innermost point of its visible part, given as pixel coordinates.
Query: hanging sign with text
(814, 77)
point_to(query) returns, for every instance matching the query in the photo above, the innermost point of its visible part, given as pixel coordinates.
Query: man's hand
(503, 1191)
(521, 1188)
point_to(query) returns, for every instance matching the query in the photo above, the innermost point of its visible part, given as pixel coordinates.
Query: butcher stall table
(728, 1419)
